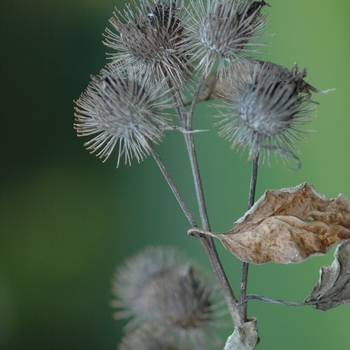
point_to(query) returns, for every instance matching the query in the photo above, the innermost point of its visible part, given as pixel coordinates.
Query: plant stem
(186, 122)
(207, 244)
(195, 96)
(231, 301)
(285, 303)
(172, 185)
(306, 302)
(245, 266)
(206, 241)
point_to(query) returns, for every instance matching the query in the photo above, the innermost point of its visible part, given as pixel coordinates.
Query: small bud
(121, 109)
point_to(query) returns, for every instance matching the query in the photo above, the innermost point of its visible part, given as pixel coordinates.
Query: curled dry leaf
(288, 226)
(333, 287)
(244, 337)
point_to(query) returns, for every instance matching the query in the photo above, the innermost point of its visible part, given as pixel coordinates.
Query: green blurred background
(67, 219)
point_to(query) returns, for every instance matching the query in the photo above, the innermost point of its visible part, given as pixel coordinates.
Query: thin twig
(245, 265)
(253, 182)
(186, 123)
(320, 300)
(178, 104)
(286, 303)
(189, 138)
(195, 96)
(277, 301)
(172, 185)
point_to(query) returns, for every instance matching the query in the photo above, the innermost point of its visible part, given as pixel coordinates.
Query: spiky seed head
(226, 29)
(162, 288)
(152, 39)
(268, 109)
(122, 110)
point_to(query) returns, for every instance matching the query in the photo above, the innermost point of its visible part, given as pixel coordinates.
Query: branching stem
(206, 241)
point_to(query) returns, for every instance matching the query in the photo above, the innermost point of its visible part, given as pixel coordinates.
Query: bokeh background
(66, 219)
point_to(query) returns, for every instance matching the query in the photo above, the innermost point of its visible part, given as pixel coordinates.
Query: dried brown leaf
(288, 226)
(333, 287)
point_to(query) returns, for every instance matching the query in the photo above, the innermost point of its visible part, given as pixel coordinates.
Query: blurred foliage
(66, 219)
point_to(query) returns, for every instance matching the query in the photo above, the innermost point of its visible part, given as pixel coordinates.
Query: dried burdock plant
(159, 46)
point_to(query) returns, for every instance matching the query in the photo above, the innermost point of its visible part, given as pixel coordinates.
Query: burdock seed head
(226, 29)
(268, 107)
(160, 287)
(122, 110)
(152, 39)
